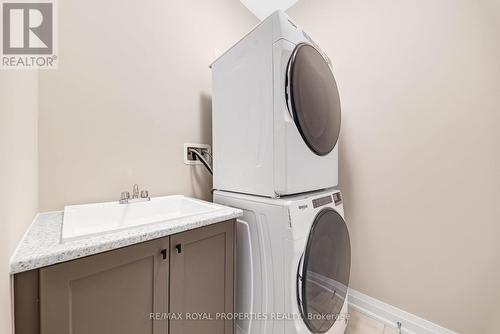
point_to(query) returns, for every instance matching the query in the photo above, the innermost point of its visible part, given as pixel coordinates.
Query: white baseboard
(390, 315)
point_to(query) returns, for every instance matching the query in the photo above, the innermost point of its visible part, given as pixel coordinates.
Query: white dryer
(275, 113)
(293, 263)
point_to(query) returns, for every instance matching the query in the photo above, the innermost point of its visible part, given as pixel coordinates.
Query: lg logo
(27, 28)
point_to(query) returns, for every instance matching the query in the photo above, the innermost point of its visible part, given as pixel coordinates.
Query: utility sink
(87, 220)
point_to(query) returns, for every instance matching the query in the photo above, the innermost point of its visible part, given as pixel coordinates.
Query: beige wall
(492, 8)
(18, 171)
(133, 85)
(420, 161)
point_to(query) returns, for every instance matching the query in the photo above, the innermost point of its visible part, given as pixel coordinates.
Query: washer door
(313, 99)
(323, 274)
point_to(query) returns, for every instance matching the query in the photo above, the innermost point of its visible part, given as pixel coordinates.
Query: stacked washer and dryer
(276, 123)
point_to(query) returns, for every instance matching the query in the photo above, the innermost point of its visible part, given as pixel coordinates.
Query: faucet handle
(144, 194)
(125, 196)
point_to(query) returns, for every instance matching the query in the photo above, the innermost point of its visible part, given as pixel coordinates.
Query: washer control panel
(317, 202)
(337, 198)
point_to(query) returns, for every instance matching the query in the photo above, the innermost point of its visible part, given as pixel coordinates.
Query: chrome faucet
(125, 196)
(135, 191)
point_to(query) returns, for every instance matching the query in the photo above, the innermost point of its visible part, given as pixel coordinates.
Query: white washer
(293, 263)
(276, 113)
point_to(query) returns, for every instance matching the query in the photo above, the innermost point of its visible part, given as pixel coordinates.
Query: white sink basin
(95, 219)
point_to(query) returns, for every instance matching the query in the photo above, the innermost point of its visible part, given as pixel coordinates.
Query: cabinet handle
(179, 248)
(164, 253)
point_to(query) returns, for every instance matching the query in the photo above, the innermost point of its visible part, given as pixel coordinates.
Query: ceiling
(263, 8)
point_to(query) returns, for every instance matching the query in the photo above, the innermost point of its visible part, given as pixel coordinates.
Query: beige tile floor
(362, 324)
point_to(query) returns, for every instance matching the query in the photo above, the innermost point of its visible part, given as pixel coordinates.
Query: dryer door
(313, 99)
(323, 274)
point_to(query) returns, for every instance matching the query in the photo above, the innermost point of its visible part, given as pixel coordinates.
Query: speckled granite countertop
(41, 245)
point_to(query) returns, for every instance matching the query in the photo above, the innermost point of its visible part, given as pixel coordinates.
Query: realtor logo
(28, 35)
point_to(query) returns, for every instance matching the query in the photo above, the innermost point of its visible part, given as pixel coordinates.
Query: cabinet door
(201, 279)
(109, 293)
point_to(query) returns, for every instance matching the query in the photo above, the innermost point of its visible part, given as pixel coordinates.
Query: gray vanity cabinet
(108, 293)
(118, 292)
(202, 280)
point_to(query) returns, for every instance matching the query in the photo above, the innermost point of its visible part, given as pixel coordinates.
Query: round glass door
(313, 99)
(323, 274)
